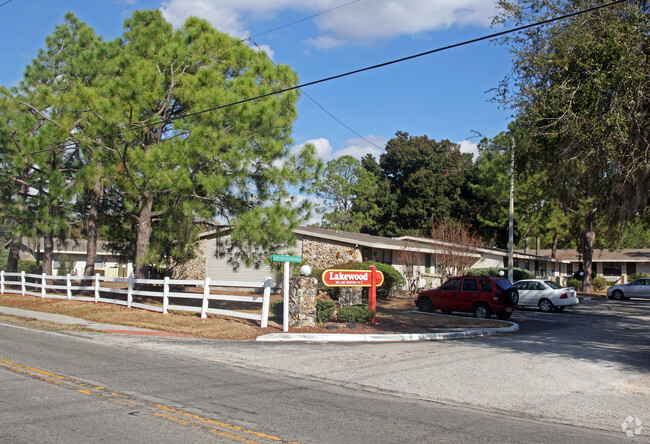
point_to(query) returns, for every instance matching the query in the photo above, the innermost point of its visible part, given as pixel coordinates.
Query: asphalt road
(565, 377)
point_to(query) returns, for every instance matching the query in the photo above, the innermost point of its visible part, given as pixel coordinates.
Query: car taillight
(496, 299)
(564, 296)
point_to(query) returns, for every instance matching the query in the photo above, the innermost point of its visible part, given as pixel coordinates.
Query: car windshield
(503, 284)
(553, 285)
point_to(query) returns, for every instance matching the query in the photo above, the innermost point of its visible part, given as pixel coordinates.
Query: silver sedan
(638, 288)
(545, 294)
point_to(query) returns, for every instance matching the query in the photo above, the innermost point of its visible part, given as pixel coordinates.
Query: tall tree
(178, 164)
(428, 179)
(581, 86)
(348, 191)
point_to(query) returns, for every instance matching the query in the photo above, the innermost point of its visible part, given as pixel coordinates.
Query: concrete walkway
(70, 320)
(273, 337)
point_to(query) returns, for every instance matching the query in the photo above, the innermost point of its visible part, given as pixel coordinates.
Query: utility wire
(321, 107)
(8, 1)
(373, 67)
(403, 59)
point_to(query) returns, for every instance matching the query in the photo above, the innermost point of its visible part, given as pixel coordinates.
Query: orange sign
(351, 278)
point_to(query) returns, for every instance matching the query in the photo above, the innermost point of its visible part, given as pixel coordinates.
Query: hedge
(355, 313)
(517, 273)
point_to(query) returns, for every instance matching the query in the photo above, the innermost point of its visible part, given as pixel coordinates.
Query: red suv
(472, 294)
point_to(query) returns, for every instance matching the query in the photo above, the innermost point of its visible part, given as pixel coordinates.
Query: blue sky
(443, 96)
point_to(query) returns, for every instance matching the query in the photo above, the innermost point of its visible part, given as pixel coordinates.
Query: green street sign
(285, 258)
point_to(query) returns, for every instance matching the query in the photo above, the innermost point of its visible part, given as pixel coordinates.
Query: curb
(394, 337)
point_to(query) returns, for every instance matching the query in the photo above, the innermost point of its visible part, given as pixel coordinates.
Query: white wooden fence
(68, 287)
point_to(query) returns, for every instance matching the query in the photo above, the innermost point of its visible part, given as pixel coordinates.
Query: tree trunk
(527, 244)
(554, 248)
(537, 245)
(93, 214)
(14, 253)
(143, 238)
(588, 254)
(48, 253)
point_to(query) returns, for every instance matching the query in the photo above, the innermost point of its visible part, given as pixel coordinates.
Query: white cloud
(361, 22)
(468, 147)
(322, 146)
(358, 148)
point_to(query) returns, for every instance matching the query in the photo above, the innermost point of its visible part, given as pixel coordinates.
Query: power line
(403, 59)
(8, 1)
(373, 67)
(302, 19)
(323, 108)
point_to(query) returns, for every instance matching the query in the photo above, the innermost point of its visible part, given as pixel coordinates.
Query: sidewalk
(272, 337)
(69, 320)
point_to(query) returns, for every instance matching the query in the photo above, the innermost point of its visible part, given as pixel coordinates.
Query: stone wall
(195, 268)
(320, 254)
(302, 301)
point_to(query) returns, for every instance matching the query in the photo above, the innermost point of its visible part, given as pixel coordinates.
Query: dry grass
(393, 316)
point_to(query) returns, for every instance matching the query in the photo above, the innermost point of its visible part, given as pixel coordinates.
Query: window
(540, 268)
(631, 267)
(486, 286)
(427, 263)
(515, 263)
(612, 268)
(383, 256)
(470, 285)
(451, 285)
(569, 269)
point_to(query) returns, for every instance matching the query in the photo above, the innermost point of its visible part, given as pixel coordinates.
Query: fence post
(165, 295)
(129, 296)
(22, 282)
(96, 287)
(2, 281)
(206, 301)
(43, 285)
(266, 303)
(68, 286)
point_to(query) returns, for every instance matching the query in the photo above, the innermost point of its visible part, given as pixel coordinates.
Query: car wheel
(504, 315)
(545, 305)
(558, 309)
(482, 311)
(618, 295)
(425, 305)
(512, 296)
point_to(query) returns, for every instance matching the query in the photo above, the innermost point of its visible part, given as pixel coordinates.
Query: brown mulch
(397, 315)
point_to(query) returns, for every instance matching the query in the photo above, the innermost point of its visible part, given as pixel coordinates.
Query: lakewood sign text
(351, 278)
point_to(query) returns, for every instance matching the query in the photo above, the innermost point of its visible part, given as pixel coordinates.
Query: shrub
(4, 258)
(635, 276)
(66, 265)
(277, 308)
(356, 313)
(324, 310)
(30, 267)
(517, 273)
(575, 283)
(599, 283)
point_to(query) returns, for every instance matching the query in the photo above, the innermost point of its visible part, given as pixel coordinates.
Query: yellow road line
(178, 416)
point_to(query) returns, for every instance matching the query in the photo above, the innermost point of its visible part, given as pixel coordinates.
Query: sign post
(357, 278)
(285, 287)
(372, 294)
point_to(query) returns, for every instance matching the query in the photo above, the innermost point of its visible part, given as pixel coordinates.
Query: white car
(638, 288)
(547, 295)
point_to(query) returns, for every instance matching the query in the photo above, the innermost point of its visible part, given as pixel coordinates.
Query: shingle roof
(603, 255)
